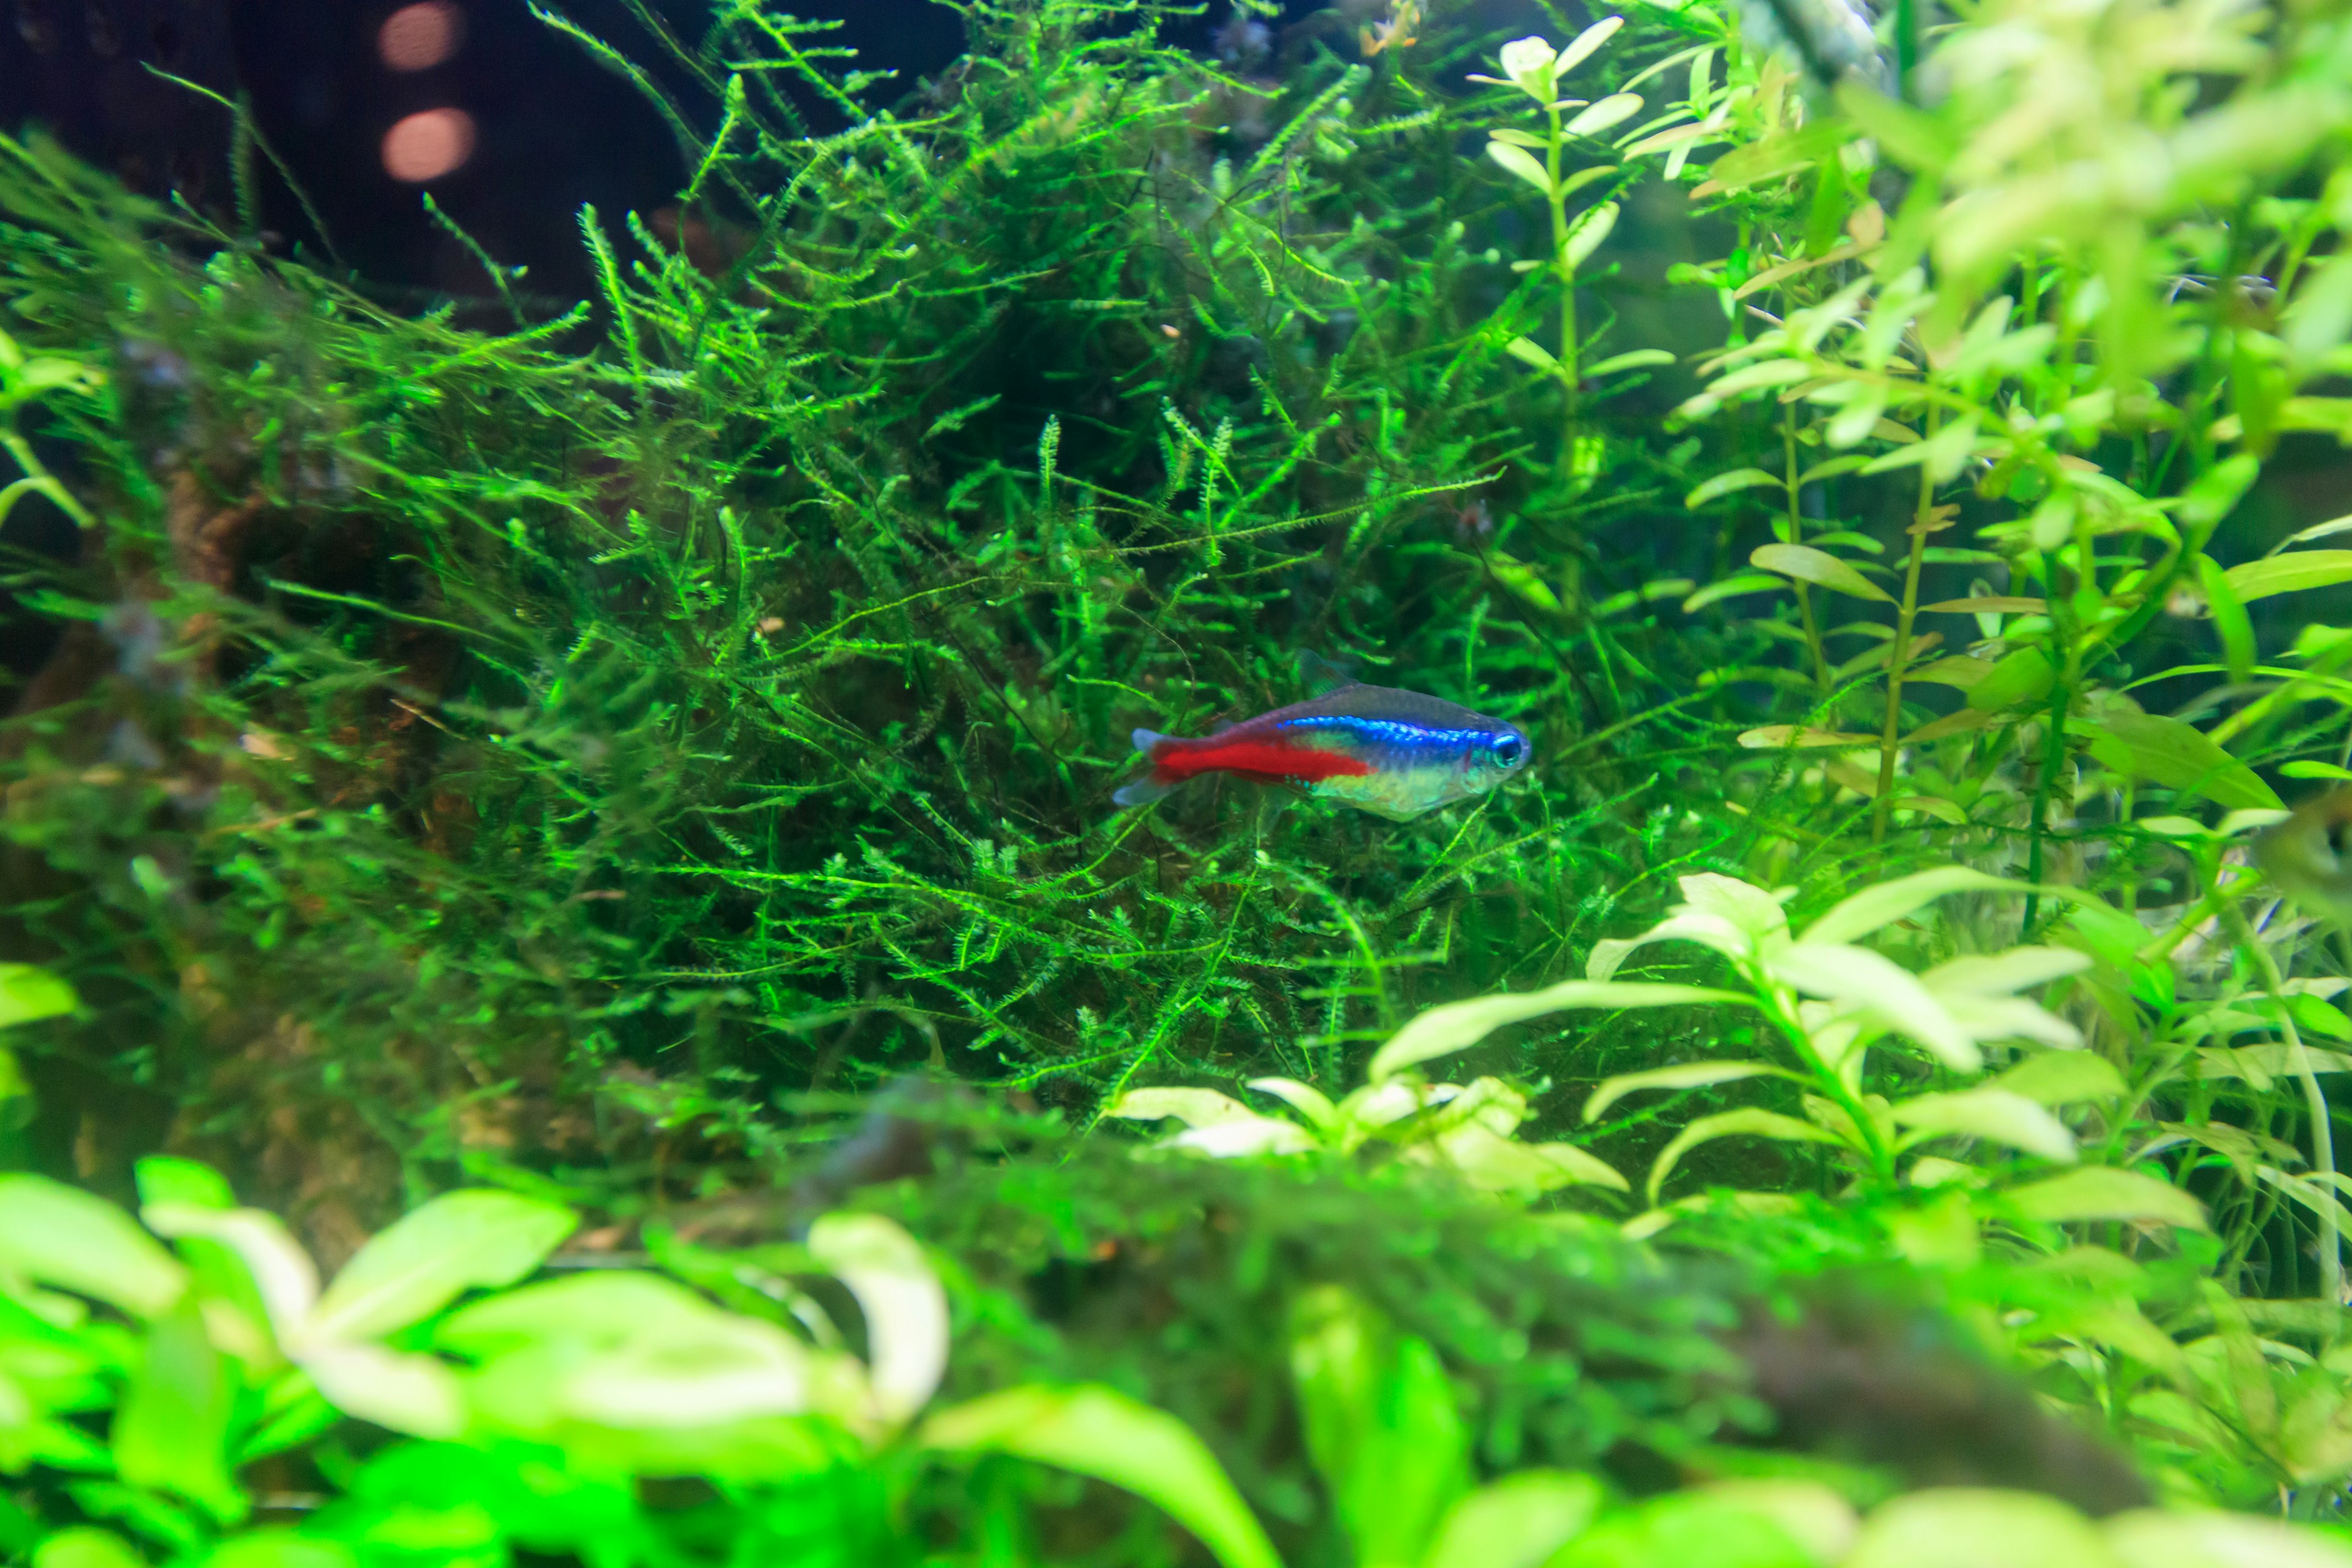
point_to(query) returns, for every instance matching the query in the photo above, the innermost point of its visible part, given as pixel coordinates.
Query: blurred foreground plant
(533, 1410)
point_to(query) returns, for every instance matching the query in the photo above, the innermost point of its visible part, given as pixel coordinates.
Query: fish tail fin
(1142, 792)
(1152, 785)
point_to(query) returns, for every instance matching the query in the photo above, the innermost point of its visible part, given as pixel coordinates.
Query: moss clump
(446, 718)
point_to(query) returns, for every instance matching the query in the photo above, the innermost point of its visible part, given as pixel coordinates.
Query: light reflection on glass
(420, 37)
(428, 146)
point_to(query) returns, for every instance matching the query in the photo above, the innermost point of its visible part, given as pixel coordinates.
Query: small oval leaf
(1818, 567)
(1518, 161)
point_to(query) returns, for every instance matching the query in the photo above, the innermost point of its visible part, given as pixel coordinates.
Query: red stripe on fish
(1173, 761)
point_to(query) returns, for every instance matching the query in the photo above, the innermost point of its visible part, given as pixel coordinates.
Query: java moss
(733, 684)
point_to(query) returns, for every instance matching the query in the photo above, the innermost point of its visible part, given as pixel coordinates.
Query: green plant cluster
(490, 766)
(531, 1417)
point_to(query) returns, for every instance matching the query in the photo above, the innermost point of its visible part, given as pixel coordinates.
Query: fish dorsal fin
(1321, 675)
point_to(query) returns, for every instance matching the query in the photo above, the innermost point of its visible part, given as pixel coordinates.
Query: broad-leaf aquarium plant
(599, 819)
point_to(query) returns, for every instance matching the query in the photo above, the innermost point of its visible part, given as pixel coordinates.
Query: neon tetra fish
(1393, 753)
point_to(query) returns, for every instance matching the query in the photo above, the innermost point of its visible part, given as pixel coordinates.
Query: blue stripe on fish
(1391, 731)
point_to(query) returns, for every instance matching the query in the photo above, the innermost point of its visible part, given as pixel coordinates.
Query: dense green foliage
(581, 761)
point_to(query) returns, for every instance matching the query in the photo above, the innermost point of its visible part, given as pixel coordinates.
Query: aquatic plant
(589, 749)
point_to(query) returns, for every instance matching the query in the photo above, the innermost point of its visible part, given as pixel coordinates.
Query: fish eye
(1510, 750)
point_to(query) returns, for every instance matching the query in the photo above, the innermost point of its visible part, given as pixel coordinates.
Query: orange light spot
(428, 146)
(420, 37)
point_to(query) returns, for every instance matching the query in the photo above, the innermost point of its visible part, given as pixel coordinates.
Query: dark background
(555, 129)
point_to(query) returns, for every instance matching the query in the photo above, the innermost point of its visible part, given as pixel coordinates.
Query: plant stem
(1778, 1006)
(1792, 531)
(1881, 806)
(1555, 145)
(2323, 1135)
(2053, 757)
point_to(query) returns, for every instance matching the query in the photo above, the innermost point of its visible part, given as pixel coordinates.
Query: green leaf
(639, 1352)
(281, 1549)
(172, 1431)
(164, 1178)
(1963, 1527)
(1516, 1522)
(1648, 593)
(28, 992)
(2063, 1078)
(1604, 115)
(85, 1546)
(602, 1308)
(417, 1395)
(1807, 565)
(1764, 374)
(1100, 1432)
(1457, 1025)
(40, 376)
(1586, 233)
(1518, 161)
(1529, 351)
(1571, 184)
(1812, 1514)
(1732, 588)
(282, 1273)
(1192, 1107)
(2328, 530)
(1778, 153)
(1884, 989)
(1748, 1121)
(1338, 1353)
(1633, 360)
(2100, 1192)
(1381, 1421)
(1580, 47)
(906, 1310)
(1495, 1162)
(1305, 1099)
(1722, 484)
(61, 1236)
(1915, 138)
(2017, 679)
(1522, 580)
(1695, 1527)
(2151, 746)
(1873, 908)
(2217, 490)
(2010, 970)
(2291, 574)
(2208, 1538)
(1686, 1075)
(1216, 1124)
(2231, 622)
(478, 1239)
(1998, 1114)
